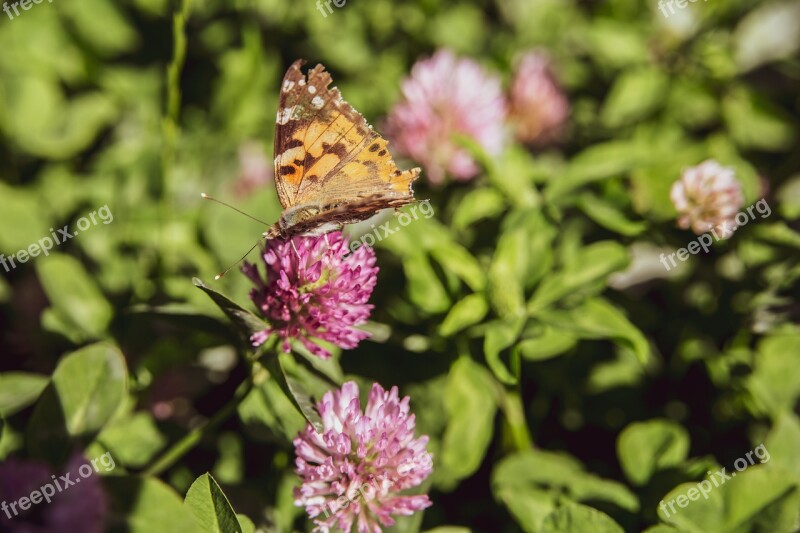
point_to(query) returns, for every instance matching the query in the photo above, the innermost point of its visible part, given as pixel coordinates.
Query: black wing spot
(375, 147)
(287, 169)
(382, 153)
(293, 143)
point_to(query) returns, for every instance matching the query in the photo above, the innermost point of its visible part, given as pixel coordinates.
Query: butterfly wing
(326, 154)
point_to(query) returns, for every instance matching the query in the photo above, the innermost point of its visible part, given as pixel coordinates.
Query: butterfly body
(331, 167)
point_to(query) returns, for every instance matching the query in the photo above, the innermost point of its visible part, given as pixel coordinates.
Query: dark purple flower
(81, 506)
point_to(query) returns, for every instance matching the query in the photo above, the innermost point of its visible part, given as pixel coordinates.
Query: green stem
(182, 447)
(173, 105)
(515, 420)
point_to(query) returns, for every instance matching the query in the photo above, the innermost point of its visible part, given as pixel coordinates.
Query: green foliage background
(568, 383)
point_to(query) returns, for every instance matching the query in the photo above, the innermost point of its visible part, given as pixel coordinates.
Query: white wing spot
(317, 102)
(286, 115)
(287, 86)
(312, 89)
(301, 82)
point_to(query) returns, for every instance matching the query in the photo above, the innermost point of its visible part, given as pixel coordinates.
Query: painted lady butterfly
(331, 167)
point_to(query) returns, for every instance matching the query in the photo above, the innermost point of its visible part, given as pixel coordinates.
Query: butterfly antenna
(297, 253)
(207, 197)
(239, 261)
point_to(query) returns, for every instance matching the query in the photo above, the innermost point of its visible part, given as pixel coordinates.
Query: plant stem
(182, 447)
(171, 128)
(515, 419)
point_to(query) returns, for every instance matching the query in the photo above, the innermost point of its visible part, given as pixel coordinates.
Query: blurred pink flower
(314, 289)
(446, 96)
(354, 471)
(707, 196)
(255, 169)
(80, 507)
(538, 107)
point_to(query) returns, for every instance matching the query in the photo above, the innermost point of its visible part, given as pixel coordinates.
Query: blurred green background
(560, 372)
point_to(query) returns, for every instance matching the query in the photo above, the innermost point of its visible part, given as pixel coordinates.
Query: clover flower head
(314, 289)
(354, 471)
(446, 97)
(538, 106)
(707, 196)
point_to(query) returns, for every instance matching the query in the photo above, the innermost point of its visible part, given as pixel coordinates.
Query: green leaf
(18, 390)
(772, 385)
(693, 103)
(424, 287)
(458, 260)
(134, 441)
(783, 441)
(471, 404)
(616, 43)
(211, 508)
(466, 312)
(448, 529)
(758, 499)
(245, 524)
(476, 205)
(24, 222)
(598, 319)
(43, 122)
(101, 25)
(245, 321)
(86, 390)
(593, 264)
(557, 473)
(74, 295)
(644, 448)
(778, 233)
(609, 216)
(294, 389)
(550, 343)
(500, 335)
(789, 198)
(755, 123)
(90, 383)
(529, 506)
(146, 505)
(507, 272)
(634, 95)
(576, 518)
(268, 411)
(598, 162)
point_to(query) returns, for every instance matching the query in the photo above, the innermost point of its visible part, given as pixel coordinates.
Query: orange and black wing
(325, 152)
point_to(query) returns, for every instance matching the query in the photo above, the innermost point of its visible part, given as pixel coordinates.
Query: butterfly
(331, 167)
